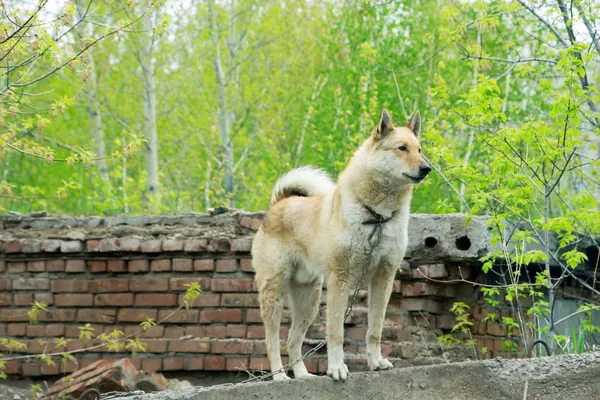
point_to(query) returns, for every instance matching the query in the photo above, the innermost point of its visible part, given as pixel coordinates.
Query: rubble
(111, 376)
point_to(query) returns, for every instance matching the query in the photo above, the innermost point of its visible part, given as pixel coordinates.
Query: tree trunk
(93, 104)
(223, 112)
(95, 120)
(152, 181)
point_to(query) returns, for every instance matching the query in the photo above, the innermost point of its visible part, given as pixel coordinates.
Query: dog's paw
(338, 371)
(280, 376)
(379, 363)
(304, 375)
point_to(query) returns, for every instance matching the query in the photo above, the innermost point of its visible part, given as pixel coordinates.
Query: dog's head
(396, 151)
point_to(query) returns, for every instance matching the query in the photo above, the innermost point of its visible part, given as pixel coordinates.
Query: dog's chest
(371, 245)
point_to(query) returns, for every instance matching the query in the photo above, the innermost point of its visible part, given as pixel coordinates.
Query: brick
(109, 245)
(5, 300)
(70, 285)
(104, 316)
(57, 316)
(151, 364)
(95, 266)
(193, 363)
(241, 244)
(160, 265)
(357, 333)
(259, 364)
(74, 300)
(236, 331)
(173, 364)
(204, 265)
(45, 297)
(197, 331)
(136, 314)
(138, 266)
(231, 285)
(214, 363)
(31, 246)
(216, 331)
(183, 264)
(435, 271)
(246, 222)
(172, 245)
(46, 369)
(179, 284)
(114, 299)
(416, 289)
(155, 332)
(5, 285)
(15, 267)
(227, 265)
(92, 245)
(203, 300)
(2, 266)
(173, 332)
(495, 329)
(155, 299)
(130, 244)
(51, 246)
(149, 285)
(55, 265)
(31, 369)
(23, 299)
(55, 330)
(189, 346)
(31, 284)
(14, 246)
(219, 245)
(178, 317)
(246, 265)
(16, 329)
(116, 266)
(239, 300)
(253, 316)
(36, 266)
(110, 285)
(195, 245)
(151, 246)
(237, 363)
(35, 330)
(256, 332)
(421, 304)
(233, 315)
(12, 367)
(73, 266)
(71, 246)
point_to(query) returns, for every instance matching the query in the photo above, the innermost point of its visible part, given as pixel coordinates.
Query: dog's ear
(414, 123)
(384, 126)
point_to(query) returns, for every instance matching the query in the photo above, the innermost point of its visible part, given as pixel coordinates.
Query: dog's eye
(419, 150)
(402, 148)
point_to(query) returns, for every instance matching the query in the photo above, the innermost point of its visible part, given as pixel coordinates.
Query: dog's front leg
(380, 289)
(337, 297)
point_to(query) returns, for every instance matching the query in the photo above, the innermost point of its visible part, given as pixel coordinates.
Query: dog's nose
(424, 170)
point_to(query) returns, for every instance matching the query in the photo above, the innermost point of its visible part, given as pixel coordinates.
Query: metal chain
(373, 240)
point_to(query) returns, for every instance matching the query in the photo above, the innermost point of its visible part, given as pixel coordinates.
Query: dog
(316, 229)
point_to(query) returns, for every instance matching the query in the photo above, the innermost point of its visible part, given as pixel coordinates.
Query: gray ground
(562, 377)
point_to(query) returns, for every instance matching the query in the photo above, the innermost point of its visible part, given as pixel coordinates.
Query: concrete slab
(561, 377)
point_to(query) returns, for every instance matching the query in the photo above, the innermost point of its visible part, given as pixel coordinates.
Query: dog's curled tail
(304, 182)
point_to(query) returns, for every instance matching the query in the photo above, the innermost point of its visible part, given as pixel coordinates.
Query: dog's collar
(377, 219)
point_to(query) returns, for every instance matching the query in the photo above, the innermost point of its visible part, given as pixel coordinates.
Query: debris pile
(111, 376)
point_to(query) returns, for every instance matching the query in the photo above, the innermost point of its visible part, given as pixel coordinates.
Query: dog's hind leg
(380, 289)
(304, 303)
(271, 298)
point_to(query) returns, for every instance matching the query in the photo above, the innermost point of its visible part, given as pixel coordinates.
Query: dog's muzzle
(424, 170)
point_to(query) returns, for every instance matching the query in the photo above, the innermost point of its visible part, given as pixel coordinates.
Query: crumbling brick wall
(115, 272)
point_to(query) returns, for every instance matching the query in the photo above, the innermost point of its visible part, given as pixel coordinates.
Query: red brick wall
(117, 282)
